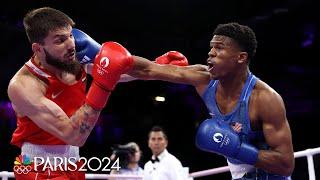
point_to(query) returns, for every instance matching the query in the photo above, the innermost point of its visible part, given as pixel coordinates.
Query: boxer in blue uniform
(248, 124)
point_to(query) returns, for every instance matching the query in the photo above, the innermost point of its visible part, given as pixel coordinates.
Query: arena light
(160, 98)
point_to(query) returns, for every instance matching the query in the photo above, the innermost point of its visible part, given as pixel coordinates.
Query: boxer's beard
(72, 67)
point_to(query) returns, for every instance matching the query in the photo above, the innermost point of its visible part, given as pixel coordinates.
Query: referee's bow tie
(155, 160)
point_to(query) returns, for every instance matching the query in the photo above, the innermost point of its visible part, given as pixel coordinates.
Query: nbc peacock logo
(22, 164)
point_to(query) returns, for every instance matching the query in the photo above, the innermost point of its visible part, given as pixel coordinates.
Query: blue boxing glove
(86, 47)
(218, 137)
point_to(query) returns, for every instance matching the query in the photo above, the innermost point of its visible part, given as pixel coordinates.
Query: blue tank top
(239, 114)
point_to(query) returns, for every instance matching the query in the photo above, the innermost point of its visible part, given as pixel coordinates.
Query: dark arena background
(288, 34)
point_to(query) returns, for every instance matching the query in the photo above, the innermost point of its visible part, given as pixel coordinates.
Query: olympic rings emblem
(21, 169)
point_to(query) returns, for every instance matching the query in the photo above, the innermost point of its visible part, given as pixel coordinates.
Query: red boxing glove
(111, 61)
(174, 58)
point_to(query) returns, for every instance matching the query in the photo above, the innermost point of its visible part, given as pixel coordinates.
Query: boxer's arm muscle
(279, 159)
(193, 75)
(27, 95)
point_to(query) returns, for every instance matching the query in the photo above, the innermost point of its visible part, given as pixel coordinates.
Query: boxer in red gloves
(55, 115)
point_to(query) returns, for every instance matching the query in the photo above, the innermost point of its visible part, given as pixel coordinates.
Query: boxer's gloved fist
(174, 58)
(111, 61)
(86, 47)
(218, 137)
